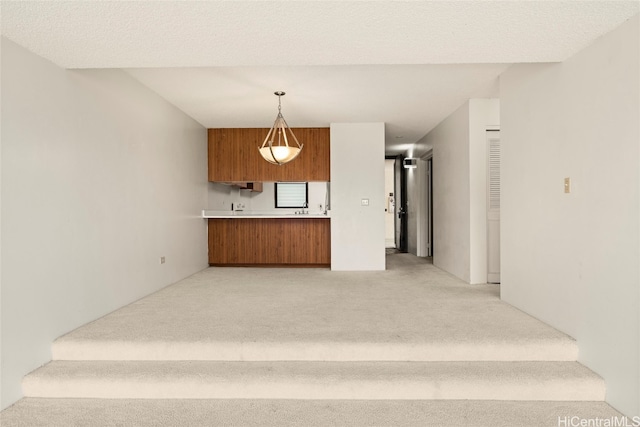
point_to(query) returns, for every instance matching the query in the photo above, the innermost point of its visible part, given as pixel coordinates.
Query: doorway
(396, 204)
(390, 204)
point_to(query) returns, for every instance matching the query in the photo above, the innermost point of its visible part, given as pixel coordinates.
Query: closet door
(493, 207)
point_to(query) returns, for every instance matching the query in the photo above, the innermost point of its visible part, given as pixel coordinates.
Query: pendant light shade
(276, 149)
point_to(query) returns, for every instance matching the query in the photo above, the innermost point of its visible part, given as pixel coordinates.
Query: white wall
(221, 196)
(450, 142)
(1, 328)
(100, 177)
(357, 172)
(459, 191)
(572, 259)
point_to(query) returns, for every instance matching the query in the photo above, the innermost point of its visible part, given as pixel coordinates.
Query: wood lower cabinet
(233, 156)
(283, 242)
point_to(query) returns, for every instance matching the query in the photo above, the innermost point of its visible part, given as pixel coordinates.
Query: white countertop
(261, 214)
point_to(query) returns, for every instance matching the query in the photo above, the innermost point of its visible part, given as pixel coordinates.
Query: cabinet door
(234, 156)
(270, 241)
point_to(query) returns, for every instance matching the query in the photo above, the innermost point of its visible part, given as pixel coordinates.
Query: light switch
(364, 202)
(567, 185)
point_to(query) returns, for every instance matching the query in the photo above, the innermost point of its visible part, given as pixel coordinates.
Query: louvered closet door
(493, 207)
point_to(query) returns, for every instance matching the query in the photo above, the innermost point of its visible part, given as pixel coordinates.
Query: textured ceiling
(99, 34)
(338, 60)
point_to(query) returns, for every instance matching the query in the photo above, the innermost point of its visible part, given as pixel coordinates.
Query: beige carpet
(412, 311)
(299, 413)
(241, 346)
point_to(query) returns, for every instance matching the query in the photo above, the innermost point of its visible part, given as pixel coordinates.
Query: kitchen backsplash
(222, 196)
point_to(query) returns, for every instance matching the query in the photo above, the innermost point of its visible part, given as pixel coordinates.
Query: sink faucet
(302, 211)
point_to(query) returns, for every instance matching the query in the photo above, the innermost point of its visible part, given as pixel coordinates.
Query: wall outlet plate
(364, 202)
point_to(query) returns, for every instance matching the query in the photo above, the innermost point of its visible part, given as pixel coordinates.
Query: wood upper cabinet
(234, 156)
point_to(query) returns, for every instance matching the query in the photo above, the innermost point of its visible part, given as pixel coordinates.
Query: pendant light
(276, 149)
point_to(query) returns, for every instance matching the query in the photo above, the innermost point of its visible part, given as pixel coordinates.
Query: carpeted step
(544, 350)
(32, 412)
(316, 380)
(413, 313)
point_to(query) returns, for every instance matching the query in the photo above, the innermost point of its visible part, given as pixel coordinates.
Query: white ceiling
(406, 63)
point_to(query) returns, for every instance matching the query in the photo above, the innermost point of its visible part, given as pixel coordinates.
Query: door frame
(390, 203)
(403, 209)
(425, 247)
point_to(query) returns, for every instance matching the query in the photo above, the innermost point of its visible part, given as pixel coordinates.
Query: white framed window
(292, 194)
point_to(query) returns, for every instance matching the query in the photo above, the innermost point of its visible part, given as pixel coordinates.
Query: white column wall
(459, 191)
(572, 259)
(357, 172)
(100, 178)
(450, 142)
(2, 405)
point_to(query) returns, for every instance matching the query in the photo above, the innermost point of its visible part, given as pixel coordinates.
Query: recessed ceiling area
(406, 63)
(409, 98)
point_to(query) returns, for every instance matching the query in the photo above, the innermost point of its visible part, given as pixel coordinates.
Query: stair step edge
(317, 380)
(256, 351)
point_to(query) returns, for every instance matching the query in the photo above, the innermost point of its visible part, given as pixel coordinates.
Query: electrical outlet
(162, 260)
(364, 202)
